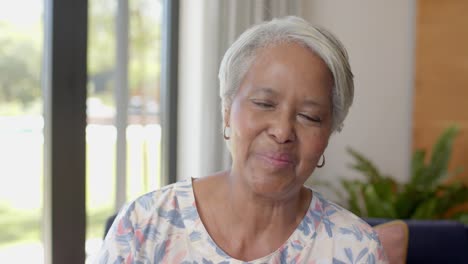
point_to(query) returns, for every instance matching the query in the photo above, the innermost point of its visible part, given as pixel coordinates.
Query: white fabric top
(163, 226)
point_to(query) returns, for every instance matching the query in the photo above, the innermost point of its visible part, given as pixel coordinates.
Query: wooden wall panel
(441, 76)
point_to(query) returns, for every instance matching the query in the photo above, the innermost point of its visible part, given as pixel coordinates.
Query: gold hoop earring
(323, 162)
(224, 133)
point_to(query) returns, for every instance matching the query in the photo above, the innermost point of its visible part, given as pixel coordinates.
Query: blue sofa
(434, 241)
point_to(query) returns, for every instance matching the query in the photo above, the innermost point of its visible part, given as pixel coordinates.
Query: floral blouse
(163, 226)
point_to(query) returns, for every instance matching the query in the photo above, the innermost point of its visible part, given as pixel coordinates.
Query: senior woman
(285, 86)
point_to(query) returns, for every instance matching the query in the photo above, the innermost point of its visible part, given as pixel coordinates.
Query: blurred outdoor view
(22, 123)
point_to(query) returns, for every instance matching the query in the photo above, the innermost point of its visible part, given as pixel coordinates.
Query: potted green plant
(426, 195)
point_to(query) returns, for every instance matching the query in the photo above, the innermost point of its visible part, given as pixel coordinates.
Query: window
(124, 65)
(21, 130)
(43, 132)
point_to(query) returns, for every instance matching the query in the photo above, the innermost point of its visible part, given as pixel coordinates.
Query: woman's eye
(263, 104)
(311, 118)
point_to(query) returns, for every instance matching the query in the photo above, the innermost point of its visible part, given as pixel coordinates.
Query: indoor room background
(144, 98)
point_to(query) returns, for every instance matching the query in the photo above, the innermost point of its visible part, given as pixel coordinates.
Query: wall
(379, 37)
(189, 96)
(441, 81)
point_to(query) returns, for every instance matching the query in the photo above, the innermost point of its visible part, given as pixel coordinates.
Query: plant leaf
(365, 166)
(409, 199)
(386, 189)
(441, 153)
(375, 206)
(450, 196)
(427, 209)
(462, 217)
(354, 189)
(418, 168)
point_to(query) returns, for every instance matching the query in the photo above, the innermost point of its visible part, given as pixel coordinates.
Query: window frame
(65, 94)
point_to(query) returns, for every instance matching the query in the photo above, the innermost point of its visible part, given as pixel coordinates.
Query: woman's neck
(255, 212)
(244, 224)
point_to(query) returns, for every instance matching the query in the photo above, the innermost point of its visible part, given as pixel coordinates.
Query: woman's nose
(282, 129)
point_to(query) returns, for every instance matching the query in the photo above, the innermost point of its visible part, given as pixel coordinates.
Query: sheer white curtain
(207, 28)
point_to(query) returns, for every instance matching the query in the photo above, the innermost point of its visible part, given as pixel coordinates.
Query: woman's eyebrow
(311, 103)
(308, 102)
(265, 90)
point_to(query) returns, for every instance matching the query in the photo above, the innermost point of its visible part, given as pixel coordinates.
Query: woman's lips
(279, 160)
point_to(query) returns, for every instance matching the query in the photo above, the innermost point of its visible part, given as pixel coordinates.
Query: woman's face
(280, 119)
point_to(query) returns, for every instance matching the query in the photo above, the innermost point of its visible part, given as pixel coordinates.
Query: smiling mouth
(277, 160)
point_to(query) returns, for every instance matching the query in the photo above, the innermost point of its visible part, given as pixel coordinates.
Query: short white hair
(238, 58)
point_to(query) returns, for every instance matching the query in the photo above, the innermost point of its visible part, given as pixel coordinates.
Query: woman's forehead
(309, 101)
(288, 64)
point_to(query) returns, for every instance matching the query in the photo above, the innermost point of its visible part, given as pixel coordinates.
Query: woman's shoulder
(169, 197)
(340, 221)
(160, 209)
(342, 234)
(144, 227)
